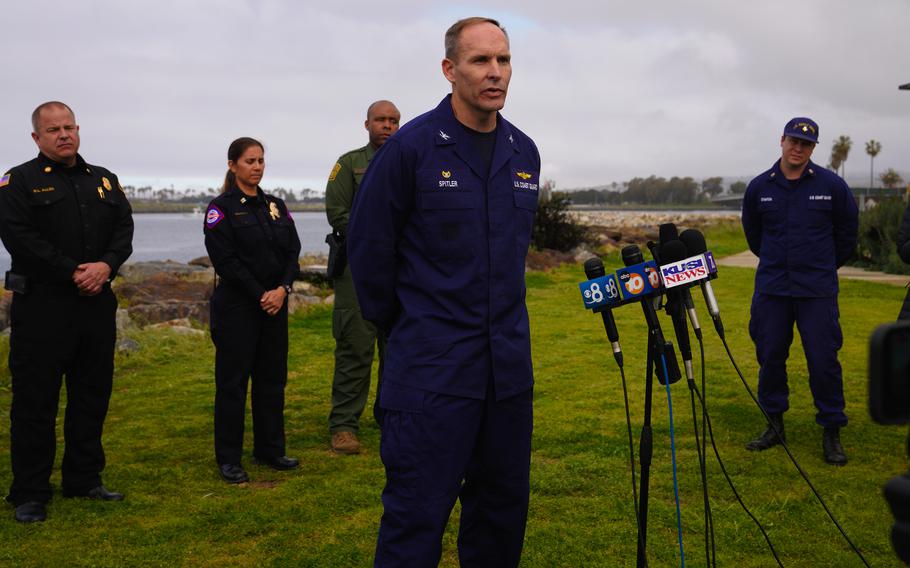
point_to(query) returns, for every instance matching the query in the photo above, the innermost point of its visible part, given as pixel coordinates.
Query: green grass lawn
(158, 439)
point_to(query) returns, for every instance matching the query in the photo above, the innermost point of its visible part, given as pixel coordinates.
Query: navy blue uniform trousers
(57, 332)
(771, 328)
(250, 346)
(438, 448)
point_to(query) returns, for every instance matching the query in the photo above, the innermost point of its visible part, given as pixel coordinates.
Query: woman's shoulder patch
(213, 216)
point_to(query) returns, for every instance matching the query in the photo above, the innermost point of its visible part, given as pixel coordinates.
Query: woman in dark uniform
(253, 245)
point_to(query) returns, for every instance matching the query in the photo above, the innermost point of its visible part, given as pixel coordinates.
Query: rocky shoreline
(176, 295)
(612, 229)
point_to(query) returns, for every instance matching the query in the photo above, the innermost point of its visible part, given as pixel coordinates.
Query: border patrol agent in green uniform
(355, 338)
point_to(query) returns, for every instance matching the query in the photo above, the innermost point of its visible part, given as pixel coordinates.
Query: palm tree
(873, 147)
(891, 179)
(835, 161)
(839, 152)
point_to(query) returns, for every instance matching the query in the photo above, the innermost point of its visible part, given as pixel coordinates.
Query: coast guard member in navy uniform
(68, 227)
(437, 243)
(801, 221)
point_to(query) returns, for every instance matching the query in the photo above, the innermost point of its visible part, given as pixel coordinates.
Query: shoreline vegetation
(177, 511)
(147, 206)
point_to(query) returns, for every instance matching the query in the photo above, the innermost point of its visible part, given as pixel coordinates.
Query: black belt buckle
(16, 283)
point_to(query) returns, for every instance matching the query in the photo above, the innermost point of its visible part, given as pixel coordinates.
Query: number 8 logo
(597, 295)
(611, 288)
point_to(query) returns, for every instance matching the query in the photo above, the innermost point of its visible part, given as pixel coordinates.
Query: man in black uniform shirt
(68, 227)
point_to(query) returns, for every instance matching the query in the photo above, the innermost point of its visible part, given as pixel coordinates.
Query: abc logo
(635, 284)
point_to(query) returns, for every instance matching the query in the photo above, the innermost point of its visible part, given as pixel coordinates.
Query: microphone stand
(661, 360)
(646, 448)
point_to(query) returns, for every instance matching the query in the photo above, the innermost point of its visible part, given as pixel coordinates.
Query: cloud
(610, 90)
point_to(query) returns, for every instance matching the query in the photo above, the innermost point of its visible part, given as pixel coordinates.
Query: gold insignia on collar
(48, 169)
(446, 174)
(100, 192)
(523, 175)
(106, 183)
(273, 211)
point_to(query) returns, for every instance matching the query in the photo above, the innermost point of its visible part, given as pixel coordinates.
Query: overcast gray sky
(608, 89)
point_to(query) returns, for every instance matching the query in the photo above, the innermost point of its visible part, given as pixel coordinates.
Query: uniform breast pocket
(819, 213)
(525, 211)
(769, 207)
(449, 223)
(247, 235)
(283, 229)
(770, 214)
(42, 198)
(48, 208)
(109, 205)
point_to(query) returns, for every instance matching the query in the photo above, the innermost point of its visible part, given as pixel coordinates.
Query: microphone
(655, 251)
(603, 290)
(667, 232)
(695, 244)
(672, 252)
(638, 281)
(679, 272)
(636, 284)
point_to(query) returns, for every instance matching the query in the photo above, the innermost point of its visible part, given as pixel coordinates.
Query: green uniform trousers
(355, 342)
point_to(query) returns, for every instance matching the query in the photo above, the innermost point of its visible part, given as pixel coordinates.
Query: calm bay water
(178, 236)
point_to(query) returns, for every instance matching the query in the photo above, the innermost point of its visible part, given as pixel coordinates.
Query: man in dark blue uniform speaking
(437, 243)
(801, 222)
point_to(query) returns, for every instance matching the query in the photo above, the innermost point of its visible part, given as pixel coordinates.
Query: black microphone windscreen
(672, 251)
(632, 255)
(655, 251)
(594, 268)
(668, 233)
(694, 241)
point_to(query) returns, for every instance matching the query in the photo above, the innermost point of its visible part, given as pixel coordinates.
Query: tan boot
(345, 443)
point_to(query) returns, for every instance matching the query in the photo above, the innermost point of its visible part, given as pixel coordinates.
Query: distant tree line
(655, 190)
(188, 195)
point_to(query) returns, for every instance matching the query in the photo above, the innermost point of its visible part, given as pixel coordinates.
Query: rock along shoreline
(173, 294)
